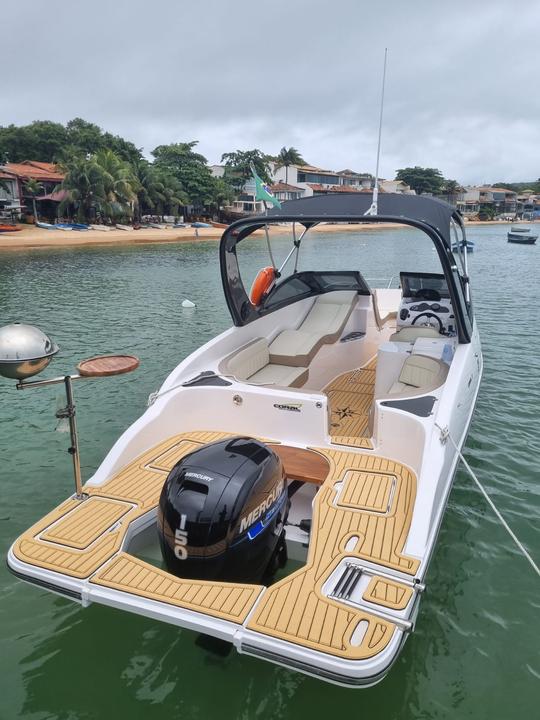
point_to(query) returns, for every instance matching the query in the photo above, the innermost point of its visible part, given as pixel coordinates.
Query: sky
(461, 90)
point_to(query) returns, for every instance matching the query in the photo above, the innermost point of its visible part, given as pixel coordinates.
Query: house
(314, 180)
(10, 204)
(47, 174)
(396, 186)
(283, 191)
(528, 205)
(487, 199)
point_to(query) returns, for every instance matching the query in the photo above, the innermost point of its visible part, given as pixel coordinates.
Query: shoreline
(33, 238)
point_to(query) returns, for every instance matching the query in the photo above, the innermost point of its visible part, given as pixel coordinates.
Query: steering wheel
(427, 294)
(430, 315)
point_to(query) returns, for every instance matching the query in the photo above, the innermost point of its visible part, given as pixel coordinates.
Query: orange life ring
(261, 285)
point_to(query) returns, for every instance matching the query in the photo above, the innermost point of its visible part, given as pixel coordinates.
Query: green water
(475, 651)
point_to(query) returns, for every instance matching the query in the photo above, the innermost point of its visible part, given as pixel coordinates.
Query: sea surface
(475, 652)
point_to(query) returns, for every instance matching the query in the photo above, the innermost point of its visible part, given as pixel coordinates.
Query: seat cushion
(248, 360)
(324, 323)
(338, 297)
(419, 374)
(283, 375)
(410, 334)
(295, 347)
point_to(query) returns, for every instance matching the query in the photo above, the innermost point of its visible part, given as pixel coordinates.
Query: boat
(79, 227)
(521, 236)
(66, 227)
(100, 228)
(469, 245)
(9, 228)
(316, 428)
(219, 225)
(123, 227)
(200, 225)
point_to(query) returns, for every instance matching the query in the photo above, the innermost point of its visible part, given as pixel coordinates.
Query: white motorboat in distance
(316, 425)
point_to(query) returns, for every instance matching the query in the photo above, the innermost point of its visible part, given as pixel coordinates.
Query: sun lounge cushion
(410, 334)
(419, 374)
(251, 363)
(324, 323)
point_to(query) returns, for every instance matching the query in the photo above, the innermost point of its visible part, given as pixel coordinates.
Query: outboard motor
(222, 511)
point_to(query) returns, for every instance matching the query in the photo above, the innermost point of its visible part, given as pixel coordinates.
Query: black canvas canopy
(416, 210)
(432, 216)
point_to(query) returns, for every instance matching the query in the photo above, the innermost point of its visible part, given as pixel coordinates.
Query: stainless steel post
(74, 449)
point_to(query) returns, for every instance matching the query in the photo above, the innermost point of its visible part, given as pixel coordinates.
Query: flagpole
(254, 172)
(374, 208)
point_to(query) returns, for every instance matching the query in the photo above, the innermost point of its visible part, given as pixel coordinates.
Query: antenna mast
(374, 204)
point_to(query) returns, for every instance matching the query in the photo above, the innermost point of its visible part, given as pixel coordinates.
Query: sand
(31, 238)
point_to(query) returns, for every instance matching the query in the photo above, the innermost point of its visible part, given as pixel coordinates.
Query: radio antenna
(373, 210)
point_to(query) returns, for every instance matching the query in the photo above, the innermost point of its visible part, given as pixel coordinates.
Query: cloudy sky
(461, 95)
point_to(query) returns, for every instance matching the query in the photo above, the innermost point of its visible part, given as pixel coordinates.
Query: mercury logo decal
(254, 515)
(292, 407)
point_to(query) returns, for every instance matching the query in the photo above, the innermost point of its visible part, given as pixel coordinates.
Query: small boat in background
(469, 246)
(219, 225)
(71, 226)
(9, 228)
(200, 225)
(101, 228)
(123, 227)
(179, 225)
(49, 226)
(521, 236)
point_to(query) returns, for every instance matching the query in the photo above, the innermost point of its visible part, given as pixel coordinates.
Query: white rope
(445, 434)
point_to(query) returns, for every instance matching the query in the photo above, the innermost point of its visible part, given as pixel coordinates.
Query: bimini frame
(435, 218)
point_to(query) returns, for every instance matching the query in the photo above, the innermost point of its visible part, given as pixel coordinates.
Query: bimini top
(438, 219)
(416, 210)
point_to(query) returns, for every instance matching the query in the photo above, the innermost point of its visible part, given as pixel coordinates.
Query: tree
(422, 180)
(157, 190)
(288, 157)
(33, 188)
(238, 167)
(190, 169)
(40, 140)
(102, 185)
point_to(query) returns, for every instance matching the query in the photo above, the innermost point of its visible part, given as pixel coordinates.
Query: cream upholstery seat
(252, 364)
(411, 333)
(323, 324)
(419, 375)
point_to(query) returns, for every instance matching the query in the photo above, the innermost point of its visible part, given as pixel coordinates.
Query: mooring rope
(445, 435)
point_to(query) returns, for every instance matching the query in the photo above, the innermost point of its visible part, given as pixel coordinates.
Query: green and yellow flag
(262, 191)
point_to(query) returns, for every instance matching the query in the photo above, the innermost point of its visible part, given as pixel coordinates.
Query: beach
(32, 238)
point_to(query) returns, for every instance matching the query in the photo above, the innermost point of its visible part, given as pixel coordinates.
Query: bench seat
(252, 364)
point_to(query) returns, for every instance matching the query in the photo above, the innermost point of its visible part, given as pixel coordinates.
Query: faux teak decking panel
(295, 608)
(350, 396)
(362, 510)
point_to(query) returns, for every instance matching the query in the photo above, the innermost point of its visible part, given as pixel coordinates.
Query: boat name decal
(254, 515)
(292, 407)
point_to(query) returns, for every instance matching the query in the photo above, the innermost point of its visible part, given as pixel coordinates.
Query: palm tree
(101, 184)
(288, 157)
(33, 187)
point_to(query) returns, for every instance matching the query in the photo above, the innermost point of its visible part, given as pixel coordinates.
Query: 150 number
(180, 540)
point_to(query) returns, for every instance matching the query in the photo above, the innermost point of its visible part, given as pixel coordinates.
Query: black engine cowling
(222, 510)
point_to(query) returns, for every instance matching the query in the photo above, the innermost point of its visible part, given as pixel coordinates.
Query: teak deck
(350, 396)
(362, 511)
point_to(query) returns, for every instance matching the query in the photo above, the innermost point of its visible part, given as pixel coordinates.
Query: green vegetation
(422, 180)
(288, 157)
(238, 167)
